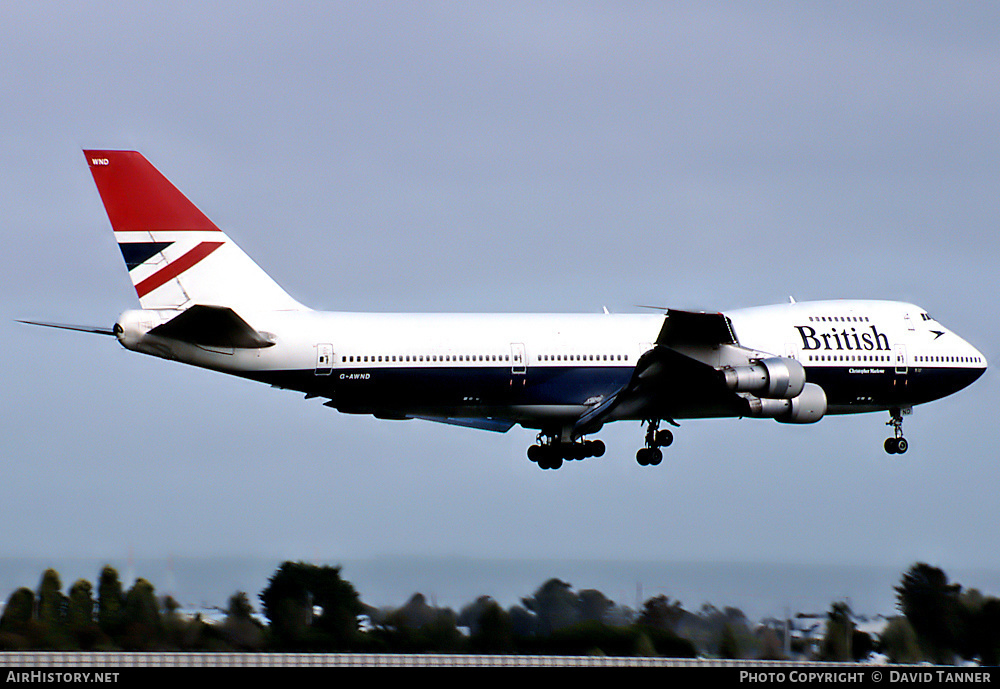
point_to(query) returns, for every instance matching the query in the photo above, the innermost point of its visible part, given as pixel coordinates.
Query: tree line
(312, 608)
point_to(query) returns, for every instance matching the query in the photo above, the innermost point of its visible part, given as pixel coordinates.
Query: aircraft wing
(666, 381)
(694, 328)
(484, 424)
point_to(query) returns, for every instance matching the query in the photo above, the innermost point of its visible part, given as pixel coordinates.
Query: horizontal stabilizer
(212, 326)
(97, 330)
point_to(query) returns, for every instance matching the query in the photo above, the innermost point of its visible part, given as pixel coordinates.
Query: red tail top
(138, 198)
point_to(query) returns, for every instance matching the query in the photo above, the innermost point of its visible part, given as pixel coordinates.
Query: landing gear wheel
(649, 456)
(554, 462)
(664, 438)
(891, 446)
(549, 451)
(545, 456)
(549, 457)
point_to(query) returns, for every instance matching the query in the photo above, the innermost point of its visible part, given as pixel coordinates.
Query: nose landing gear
(897, 444)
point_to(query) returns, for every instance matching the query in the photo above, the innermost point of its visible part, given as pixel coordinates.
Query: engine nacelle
(774, 378)
(808, 407)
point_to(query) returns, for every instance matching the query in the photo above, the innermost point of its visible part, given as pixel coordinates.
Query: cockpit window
(925, 317)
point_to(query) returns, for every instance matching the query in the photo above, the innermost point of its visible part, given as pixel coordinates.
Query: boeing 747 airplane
(204, 302)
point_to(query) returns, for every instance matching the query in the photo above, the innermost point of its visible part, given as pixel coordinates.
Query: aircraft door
(900, 359)
(324, 359)
(518, 362)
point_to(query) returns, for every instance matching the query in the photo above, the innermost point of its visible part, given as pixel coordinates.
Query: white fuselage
(536, 369)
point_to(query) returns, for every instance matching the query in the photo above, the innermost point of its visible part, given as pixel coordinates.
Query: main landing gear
(550, 452)
(897, 444)
(651, 455)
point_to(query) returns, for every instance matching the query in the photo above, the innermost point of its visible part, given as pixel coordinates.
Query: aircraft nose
(975, 354)
(978, 359)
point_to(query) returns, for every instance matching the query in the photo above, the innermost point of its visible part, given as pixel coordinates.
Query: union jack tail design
(175, 255)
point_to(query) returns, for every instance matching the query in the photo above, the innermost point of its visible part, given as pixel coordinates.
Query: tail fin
(175, 255)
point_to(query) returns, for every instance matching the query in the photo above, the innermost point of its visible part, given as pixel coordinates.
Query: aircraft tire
(549, 457)
(902, 446)
(891, 446)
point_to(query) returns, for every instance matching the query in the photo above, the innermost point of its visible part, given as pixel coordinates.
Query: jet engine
(774, 378)
(807, 407)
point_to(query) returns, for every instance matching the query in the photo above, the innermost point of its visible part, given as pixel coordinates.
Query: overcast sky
(498, 157)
